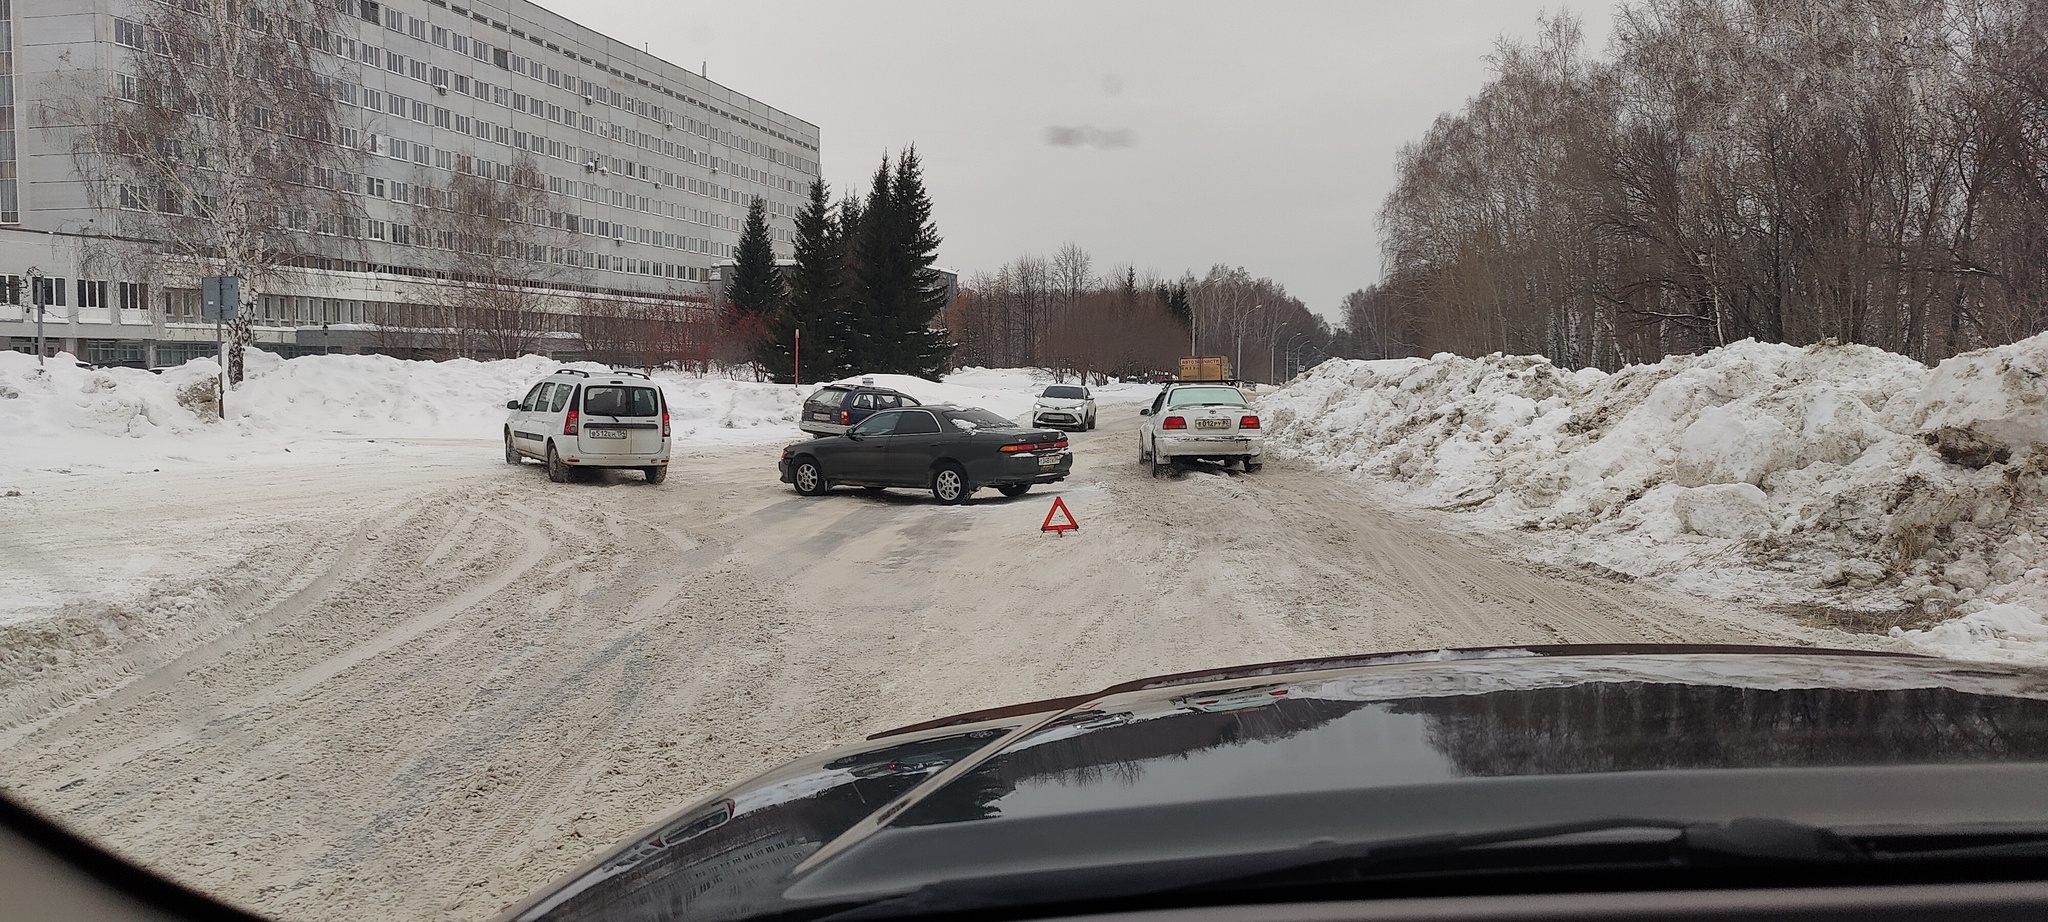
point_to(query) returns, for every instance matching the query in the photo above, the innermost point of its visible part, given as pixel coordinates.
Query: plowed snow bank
(1840, 476)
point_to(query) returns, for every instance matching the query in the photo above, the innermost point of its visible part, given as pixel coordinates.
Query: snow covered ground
(1842, 481)
(65, 420)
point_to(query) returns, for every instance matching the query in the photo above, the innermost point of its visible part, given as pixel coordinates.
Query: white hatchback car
(575, 418)
(1064, 406)
(1204, 421)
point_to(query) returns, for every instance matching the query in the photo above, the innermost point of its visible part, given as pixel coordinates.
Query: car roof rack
(572, 371)
(628, 371)
(1231, 381)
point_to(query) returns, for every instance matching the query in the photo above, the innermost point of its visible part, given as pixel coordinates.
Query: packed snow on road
(1838, 478)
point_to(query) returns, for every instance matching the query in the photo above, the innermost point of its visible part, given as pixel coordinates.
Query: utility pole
(796, 375)
(35, 300)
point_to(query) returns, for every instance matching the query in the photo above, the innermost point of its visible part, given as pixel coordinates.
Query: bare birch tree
(213, 146)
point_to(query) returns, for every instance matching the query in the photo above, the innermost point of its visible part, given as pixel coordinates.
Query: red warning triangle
(1059, 508)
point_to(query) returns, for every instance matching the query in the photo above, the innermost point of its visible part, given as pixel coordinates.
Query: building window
(128, 33)
(91, 293)
(133, 296)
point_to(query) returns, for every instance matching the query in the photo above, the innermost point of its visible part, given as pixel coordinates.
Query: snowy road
(422, 684)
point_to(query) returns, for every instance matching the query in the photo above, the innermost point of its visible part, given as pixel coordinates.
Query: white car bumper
(1208, 446)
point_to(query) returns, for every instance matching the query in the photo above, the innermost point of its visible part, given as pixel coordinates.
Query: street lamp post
(1272, 350)
(35, 300)
(1293, 358)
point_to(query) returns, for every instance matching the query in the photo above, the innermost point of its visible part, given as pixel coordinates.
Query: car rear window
(1064, 392)
(828, 397)
(975, 418)
(615, 400)
(1185, 396)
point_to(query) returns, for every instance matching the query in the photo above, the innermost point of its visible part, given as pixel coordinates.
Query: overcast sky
(1193, 133)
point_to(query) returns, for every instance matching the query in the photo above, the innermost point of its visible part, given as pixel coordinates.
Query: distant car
(1064, 406)
(575, 418)
(834, 408)
(1204, 421)
(951, 451)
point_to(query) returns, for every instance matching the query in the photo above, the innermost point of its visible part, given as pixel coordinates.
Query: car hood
(1274, 756)
(1060, 403)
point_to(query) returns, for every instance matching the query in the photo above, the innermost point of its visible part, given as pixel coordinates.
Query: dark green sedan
(951, 451)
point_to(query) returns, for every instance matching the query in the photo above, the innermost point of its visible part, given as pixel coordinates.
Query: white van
(576, 418)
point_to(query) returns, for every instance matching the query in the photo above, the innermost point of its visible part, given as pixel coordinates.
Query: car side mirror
(511, 404)
(1145, 412)
(854, 436)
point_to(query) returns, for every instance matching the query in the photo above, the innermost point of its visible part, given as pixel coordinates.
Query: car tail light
(1174, 422)
(845, 418)
(664, 423)
(569, 423)
(1249, 422)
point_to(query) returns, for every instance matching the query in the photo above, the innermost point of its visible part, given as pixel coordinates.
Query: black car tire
(511, 453)
(655, 474)
(1090, 427)
(1159, 468)
(950, 486)
(808, 477)
(1014, 489)
(557, 471)
(1252, 467)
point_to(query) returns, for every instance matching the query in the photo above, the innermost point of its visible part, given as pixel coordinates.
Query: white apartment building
(654, 165)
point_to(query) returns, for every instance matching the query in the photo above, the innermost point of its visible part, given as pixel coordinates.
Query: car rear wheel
(511, 453)
(949, 485)
(1252, 467)
(807, 477)
(557, 471)
(655, 474)
(1159, 468)
(1014, 489)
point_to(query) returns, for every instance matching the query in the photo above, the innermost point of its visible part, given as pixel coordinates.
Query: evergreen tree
(1179, 306)
(899, 293)
(868, 327)
(813, 304)
(756, 291)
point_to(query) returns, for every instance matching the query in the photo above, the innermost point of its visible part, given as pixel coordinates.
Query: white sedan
(1064, 406)
(1205, 422)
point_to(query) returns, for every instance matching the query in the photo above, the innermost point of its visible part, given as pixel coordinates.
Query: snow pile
(1834, 477)
(67, 418)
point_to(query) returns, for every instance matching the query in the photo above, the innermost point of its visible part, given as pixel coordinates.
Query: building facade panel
(648, 166)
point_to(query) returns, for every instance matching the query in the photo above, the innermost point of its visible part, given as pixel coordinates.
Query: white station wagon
(575, 418)
(1200, 421)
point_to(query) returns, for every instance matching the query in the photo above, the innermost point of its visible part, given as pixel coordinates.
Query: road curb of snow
(1832, 477)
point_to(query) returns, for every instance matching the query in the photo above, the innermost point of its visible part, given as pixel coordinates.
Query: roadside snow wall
(1836, 478)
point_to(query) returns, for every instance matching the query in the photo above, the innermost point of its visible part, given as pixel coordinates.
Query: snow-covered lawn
(1833, 478)
(65, 420)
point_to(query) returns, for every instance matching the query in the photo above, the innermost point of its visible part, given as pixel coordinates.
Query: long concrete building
(652, 164)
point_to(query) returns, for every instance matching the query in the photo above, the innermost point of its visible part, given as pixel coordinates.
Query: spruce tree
(928, 350)
(756, 291)
(900, 294)
(813, 302)
(870, 345)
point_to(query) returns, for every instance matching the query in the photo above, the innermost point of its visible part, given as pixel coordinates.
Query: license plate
(1048, 460)
(1212, 424)
(607, 433)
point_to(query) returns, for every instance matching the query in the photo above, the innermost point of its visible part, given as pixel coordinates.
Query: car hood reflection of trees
(1358, 754)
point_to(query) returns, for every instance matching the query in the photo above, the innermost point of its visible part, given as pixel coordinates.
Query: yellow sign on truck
(1205, 368)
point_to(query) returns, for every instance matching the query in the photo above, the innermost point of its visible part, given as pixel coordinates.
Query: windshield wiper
(1610, 843)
